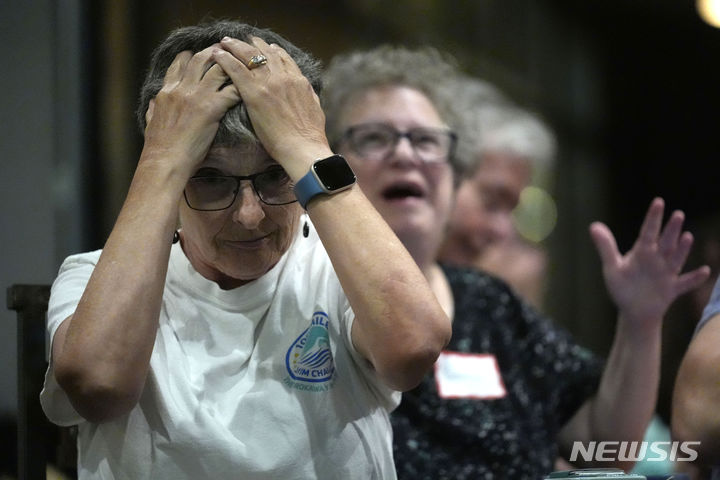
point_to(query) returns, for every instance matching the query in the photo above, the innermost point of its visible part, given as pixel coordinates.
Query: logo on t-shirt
(309, 360)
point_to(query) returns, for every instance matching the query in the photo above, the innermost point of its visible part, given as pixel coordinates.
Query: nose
(403, 153)
(249, 211)
(502, 227)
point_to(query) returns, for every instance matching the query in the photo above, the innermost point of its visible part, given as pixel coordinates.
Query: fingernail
(225, 39)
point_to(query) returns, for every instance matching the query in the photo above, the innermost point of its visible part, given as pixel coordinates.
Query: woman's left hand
(283, 107)
(647, 279)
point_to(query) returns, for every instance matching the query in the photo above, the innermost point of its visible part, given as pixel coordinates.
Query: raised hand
(648, 278)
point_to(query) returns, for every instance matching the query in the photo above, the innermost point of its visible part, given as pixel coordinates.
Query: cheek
(364, 171)
(444, 200)
(287, 219)
(190, 223)
(201, 228)
(202, 222)
(466, 212)
(465, 195)
(465, 202)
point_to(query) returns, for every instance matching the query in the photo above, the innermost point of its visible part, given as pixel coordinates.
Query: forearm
(627, 395)
(400, 327)
(105, 349)
(696, 399)
(643, 283)
(626, 399)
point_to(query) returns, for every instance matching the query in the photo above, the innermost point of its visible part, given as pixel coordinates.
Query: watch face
(334, 173)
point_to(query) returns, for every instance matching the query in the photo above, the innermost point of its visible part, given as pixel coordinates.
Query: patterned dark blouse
(546, 375)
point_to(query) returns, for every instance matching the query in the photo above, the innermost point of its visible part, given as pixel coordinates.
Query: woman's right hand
(183, 118)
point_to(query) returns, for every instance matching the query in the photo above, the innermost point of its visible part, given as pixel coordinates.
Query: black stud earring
(306, 230)
(176, 237)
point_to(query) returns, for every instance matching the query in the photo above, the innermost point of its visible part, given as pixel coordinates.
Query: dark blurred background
(629, 86)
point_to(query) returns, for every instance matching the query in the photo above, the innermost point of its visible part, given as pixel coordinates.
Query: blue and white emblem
(309, 358)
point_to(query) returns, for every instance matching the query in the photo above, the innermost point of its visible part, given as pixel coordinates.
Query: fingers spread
(677, 258)
(670, 235)
(604, 243)
(653, 221)
(691, 280)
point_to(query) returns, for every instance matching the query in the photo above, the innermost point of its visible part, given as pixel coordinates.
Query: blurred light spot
(709, 11)
(536, 214)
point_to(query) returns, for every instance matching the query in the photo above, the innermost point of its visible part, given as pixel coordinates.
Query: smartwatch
(326, 176)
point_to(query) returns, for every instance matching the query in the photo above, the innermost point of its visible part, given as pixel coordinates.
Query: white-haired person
(511, 388)
(507, 148)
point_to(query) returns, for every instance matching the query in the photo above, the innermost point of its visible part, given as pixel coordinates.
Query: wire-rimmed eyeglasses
(375, 141)
(210, 192)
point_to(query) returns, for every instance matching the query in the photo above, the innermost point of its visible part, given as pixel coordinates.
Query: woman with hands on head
(512, 388)
(250, 343)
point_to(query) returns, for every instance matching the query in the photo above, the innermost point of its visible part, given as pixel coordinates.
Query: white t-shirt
(259, 382)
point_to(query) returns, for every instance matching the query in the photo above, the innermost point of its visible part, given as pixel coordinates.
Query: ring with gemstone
(256, 61)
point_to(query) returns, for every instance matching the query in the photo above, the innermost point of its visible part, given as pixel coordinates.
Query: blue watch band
(326, 176)
(307, 187)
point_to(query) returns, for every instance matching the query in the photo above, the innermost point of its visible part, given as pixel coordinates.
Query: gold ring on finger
(256, 61)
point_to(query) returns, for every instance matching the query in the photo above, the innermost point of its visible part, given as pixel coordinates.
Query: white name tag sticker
(467, 375)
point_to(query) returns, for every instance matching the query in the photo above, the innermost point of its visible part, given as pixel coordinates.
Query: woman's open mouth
(403, 193)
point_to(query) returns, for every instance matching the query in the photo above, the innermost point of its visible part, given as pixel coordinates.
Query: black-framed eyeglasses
(210, 192)
(375, 141)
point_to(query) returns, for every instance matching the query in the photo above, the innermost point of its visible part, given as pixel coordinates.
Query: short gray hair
(235, 126)
(491, 123)
(425, 69)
